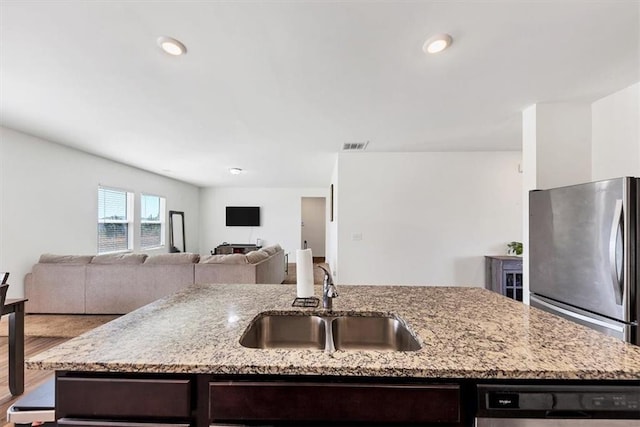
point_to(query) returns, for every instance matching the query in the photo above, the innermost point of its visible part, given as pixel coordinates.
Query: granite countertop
(464, 332)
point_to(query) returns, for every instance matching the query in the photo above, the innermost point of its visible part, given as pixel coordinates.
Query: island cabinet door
(98, 423)
(122, 399)
(237, 402)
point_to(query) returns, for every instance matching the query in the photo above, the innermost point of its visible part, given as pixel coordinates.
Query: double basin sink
(329, 332)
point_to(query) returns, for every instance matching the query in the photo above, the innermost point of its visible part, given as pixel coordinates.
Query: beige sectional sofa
(262, 266)
(121, 288)
(120, 283)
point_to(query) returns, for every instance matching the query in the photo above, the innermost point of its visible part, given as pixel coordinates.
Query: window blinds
(151, 221)
(113, 220)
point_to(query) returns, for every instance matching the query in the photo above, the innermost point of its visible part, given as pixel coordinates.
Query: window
(151, 221)
(115, 218)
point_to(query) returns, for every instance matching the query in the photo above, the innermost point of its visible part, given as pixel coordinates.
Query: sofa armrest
(56, 288)
(271, 270)
(28, 282)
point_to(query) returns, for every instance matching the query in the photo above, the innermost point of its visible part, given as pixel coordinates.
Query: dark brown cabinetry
(123, 400)
(85, 399)
(93, 423)
(240, 402)
(503, 274)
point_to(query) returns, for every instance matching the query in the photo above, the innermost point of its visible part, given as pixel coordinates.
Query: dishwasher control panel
(558, 401)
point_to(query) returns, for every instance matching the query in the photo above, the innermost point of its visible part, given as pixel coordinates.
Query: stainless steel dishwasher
(558, 406)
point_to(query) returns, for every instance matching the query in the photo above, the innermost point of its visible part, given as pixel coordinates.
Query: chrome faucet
(329, 290)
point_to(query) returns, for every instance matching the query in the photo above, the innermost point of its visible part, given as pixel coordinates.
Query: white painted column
(556, 151)
(529, 174)
(616, 134)
(331, 256)
(562, 144)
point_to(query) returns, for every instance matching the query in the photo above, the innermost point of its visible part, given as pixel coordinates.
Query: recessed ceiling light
(235, 171)
(437, 43)
(172, 46)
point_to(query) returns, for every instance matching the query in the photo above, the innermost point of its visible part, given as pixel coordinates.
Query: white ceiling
(276, 87)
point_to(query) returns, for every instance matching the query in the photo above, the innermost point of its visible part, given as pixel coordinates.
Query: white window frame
(129, 221)
(161, 221)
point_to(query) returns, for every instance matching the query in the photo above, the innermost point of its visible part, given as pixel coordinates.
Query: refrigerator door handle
(613, 261)
(572, 314)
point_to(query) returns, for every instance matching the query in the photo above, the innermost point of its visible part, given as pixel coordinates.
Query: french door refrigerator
(583, 253)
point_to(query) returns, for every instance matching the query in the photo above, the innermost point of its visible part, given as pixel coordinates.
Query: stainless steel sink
(372, 333)
(285, 331)
(331, 332)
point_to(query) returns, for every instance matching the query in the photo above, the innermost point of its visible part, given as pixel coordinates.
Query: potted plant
(514, 248)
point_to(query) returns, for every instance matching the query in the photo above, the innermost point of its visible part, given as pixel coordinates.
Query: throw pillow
(225, 259)
(271, 250)
(255, 257)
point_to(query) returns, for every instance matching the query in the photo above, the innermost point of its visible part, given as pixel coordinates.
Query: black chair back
(3, 296)
(3, 277)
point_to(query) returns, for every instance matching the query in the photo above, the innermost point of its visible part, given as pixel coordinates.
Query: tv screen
(243, 216)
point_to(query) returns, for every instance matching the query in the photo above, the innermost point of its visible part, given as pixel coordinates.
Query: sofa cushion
(271, 250)
(119, 259)
(255, 257)
(225, 259)
(65, 259)
(181, 258)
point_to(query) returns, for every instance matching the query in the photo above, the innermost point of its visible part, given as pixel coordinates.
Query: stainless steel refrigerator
(583, 253)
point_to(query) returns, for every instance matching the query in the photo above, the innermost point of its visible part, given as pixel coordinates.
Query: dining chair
(4, 276)
(3, 296)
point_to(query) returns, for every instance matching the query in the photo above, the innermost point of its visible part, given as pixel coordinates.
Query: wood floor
(318, 275)
(32, 346)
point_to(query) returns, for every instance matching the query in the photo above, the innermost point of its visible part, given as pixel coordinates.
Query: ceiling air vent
(354, 146)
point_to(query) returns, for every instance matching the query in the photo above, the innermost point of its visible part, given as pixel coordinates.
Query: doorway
(313, 226)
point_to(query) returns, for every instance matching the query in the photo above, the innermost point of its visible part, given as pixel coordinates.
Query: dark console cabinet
(503, 274)
(234, 248)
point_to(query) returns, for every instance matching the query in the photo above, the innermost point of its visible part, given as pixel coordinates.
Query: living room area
(383, 211)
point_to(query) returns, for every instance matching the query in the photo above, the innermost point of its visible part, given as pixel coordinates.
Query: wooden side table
(503, 274)
(15, 309)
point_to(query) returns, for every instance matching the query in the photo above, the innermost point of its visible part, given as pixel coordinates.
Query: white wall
(425, 218)
(49, 201)
(616, 134)
(280, 216)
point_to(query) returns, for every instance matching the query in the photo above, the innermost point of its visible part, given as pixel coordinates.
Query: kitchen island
(179, 359)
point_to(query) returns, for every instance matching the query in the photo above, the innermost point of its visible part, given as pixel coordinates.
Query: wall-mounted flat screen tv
(243, 216)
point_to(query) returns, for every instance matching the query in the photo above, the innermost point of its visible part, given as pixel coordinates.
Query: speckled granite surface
(464, 332)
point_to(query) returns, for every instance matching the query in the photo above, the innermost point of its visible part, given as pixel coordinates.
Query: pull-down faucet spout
(329, 290)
